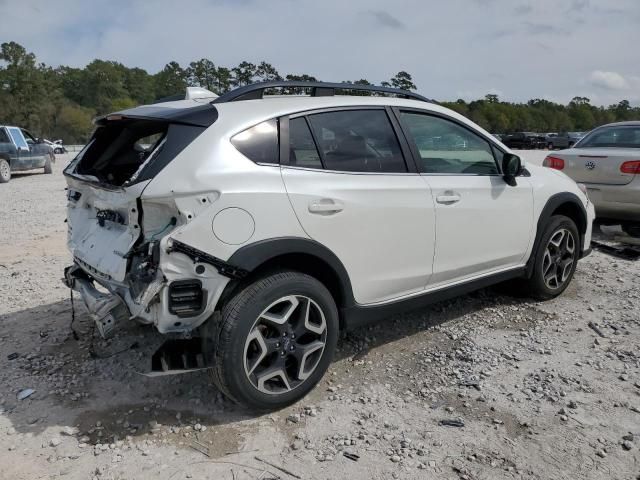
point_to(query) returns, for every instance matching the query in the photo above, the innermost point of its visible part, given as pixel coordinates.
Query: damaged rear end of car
(124, 261)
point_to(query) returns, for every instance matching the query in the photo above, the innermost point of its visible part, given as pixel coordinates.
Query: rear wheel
(556, 258)
(275, 340)
(5, 171)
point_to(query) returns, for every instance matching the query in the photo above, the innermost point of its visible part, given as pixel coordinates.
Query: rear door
(599, 157)
(350, 185)
(483, 225)
(24, 160)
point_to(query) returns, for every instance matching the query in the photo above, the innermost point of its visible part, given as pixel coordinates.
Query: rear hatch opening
(120, 149)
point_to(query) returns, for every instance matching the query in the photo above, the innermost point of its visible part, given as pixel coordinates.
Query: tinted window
(259, 143)
(302, 148)
(4, 138)
(446, 147)
(17, 137)
(622, 137)
(357, 141)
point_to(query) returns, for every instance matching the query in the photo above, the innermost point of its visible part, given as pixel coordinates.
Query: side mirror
(511, 166)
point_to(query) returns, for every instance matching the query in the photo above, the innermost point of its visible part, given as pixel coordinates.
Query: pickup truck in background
(19, 151)
(524, 141)
(563, 139)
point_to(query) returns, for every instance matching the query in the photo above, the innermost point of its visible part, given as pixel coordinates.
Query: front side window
(357, 141)
(621, 137)
(447, 148)
(302, 148)
(259, 143)
(28, 137)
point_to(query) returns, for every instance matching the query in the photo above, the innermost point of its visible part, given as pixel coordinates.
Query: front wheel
(556, 258)
(276, 339)
(47, 165)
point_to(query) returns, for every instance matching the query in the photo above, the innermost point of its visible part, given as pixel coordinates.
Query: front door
(39, 151)
(483, 225)
(350, 187)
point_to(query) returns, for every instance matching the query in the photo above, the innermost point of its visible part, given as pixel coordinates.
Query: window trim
(416, 154)
(409, 160)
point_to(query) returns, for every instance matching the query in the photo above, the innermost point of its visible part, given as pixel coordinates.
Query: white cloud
(608, 80)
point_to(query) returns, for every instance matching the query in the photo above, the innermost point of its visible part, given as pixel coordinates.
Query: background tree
(60, 102)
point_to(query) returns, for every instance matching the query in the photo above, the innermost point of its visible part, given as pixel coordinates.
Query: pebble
(627, 445)
(54, 442)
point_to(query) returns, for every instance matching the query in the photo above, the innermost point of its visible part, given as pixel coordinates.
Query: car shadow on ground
(91, 384)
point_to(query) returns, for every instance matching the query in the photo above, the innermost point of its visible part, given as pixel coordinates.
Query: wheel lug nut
(277, 345)
(292, 348)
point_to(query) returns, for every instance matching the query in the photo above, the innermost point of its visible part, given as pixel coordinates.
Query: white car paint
(389, 231)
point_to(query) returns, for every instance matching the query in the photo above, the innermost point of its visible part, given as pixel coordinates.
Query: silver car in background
(607, 162)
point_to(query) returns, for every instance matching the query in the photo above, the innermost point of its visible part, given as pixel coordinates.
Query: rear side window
(357, 141)
(4, 138)
(18, 139)
(621, 137)
(259, 143)
(447, 148)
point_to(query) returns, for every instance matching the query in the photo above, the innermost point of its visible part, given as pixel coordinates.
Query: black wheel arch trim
(553, 203)
(252, 256)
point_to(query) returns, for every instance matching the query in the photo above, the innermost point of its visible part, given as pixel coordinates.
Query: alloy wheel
(559, 257)
(285, 344)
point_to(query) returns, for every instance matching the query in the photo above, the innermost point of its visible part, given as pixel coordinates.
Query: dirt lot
(536, 393)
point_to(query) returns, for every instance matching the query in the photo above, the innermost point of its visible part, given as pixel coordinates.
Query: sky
(517, 49)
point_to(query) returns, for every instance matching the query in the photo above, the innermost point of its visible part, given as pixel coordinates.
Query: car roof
(629, 123)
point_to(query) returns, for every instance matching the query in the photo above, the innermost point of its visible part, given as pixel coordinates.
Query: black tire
(47, 165)
(240, 317)
(632, 229)
(550, 146)
(537, 286)
(5, 171)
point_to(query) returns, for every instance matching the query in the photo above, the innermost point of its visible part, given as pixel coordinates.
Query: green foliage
(61, 102)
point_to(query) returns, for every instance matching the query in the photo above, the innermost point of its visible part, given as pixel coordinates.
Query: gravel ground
(482, 387)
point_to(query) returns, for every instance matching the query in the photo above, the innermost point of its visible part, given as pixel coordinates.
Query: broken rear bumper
(181, 294)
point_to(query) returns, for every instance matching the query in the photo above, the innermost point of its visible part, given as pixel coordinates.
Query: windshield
(612, 137)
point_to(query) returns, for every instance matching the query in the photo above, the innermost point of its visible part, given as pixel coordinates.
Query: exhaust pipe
(106, 309)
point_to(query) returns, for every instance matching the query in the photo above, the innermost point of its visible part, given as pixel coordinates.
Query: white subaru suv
(252, 228)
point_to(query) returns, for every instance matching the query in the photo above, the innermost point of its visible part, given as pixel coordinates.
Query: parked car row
(532, 140)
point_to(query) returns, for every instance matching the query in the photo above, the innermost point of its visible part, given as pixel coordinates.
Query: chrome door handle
(448, 199)
(326, 206)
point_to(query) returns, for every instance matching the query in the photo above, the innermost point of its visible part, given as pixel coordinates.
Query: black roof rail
(255, 91)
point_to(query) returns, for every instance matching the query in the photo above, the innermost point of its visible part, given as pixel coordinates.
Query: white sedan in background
(607, 161)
